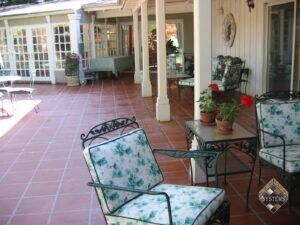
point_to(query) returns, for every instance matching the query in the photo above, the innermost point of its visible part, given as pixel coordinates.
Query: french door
(31, 52)
(281, 45)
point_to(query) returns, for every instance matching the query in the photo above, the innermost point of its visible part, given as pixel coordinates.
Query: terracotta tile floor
(42, 172)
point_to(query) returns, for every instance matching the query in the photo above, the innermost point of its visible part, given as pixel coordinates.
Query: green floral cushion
(190, 205)
(281, 118)
(187, 82)
(126, 161)
(274, 155)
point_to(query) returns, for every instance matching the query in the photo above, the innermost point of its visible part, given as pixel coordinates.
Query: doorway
(280, 45)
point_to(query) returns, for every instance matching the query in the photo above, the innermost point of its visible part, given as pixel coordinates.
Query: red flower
(214, 87)
(247, 101)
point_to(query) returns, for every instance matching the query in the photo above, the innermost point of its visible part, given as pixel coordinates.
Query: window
(112, 39)
(4, 49)
(85, 38)
(100, 40)
(62, 44)
(125, 29)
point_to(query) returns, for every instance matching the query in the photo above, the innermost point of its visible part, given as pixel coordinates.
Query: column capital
(6, 23)
(48, 19)
(93, 17)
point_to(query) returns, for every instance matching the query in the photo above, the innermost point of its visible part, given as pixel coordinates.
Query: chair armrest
(186, 154)
(146, 192)
(274, 135)
(283, 143)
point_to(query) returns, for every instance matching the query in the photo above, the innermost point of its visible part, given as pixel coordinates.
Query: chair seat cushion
(21, 90)
(187, 82)
(274, 155)
(190, 205)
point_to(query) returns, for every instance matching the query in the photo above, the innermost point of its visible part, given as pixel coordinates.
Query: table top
(209, 134)
(177, 75)
(9, 78)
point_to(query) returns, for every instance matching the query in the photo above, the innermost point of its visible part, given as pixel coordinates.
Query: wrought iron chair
(12, 92)
(278, 128)
(128, 183)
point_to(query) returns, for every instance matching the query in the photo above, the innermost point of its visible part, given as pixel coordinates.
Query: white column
(137, 64)
(75, 37)
(146, 83)
(162, 104)
(10, 45)
(92, 37)
(202, 59)
(51, 55)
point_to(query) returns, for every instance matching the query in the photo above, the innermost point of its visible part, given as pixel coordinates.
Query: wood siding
(249, 42)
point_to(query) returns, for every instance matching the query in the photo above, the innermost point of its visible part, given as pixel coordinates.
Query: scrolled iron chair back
(99, 131)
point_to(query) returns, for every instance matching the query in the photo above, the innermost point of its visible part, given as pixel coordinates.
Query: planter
(224, 127)
(72, 81)
(208, 118)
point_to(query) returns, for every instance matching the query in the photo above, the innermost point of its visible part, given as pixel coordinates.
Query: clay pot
(208, 118)
(224, 127)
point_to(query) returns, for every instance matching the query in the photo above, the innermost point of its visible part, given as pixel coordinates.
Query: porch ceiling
(127, 6)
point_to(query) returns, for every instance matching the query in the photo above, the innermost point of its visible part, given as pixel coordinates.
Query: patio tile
(48, 175)
(11, 190)
(41, 204)
(43, 188)
(30, 219)
(7, 206)
(17, 177)
(73, 202)
(74, 218)
(247, 220)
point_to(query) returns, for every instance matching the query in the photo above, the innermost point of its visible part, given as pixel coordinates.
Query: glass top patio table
(9, 78)
(227, 163)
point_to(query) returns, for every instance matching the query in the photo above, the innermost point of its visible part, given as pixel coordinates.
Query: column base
(137, 77)
(163, 111)
(199, 175)
(146, 88)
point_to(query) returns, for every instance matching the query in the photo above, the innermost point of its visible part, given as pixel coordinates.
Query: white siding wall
(249, 36)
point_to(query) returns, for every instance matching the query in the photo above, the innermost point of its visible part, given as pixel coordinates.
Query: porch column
(75, 37)
(50, 41)
(10, 45)
(162, 104)
(137, 64)
(146, 83)
(202, 66)
(92, 37)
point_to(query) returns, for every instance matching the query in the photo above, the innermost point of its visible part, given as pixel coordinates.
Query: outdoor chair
(12, 92)
(278, 128)
(129, 183)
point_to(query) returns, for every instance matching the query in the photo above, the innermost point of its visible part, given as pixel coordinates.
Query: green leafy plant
(206, 102)
(72, 64)
(229, 110)
(171, 48)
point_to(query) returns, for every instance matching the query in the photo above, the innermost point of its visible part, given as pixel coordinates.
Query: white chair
(13, 91)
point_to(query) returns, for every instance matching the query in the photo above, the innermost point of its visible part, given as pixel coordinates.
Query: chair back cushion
(280, 118)
(125, 161)
(232, 75)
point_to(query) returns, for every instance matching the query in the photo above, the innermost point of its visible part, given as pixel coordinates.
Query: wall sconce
(250, 4)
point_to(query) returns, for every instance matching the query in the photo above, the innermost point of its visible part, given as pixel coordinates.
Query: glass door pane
(21, 52)
(280, 46)
(40, 52)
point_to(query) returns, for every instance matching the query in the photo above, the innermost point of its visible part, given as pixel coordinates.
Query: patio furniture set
(229, 73)
(129, 183)
(12, 91)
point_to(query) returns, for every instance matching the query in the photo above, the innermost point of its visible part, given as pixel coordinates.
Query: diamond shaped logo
(273, 196)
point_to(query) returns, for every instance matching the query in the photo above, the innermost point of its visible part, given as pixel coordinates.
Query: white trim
(267, 5)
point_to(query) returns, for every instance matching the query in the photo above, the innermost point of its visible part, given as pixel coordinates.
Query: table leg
(249, 185)
(225, 167)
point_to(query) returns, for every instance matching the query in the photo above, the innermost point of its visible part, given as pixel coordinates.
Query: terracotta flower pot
(224, 127)
(208, 118)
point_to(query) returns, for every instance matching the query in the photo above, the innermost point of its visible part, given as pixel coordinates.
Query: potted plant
(227, 112)
(207, 105)
(72, 69)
